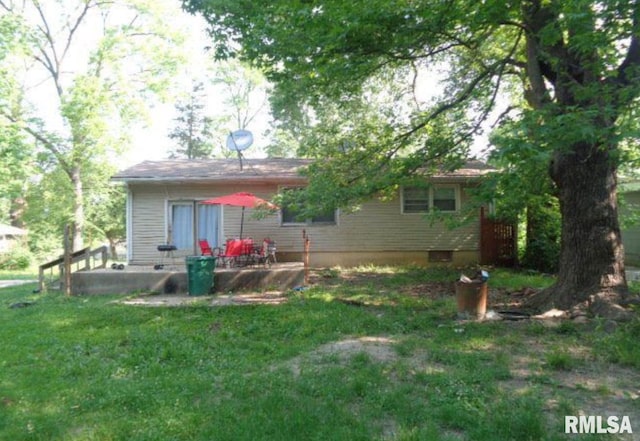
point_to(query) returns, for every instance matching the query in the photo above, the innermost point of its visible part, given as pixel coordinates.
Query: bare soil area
(594, 388)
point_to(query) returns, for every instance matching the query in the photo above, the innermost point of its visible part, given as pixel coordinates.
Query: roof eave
(455, 179)
(208, 180)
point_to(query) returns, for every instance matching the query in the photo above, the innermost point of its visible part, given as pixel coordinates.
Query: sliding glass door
(190, 221)
(209, 223)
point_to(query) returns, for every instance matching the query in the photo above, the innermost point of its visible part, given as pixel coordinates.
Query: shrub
(542, 252)
(17, 258)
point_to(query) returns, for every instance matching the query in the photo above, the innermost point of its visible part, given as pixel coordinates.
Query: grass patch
(514, 280)
(560, 361)
(392, 365)
(621, 345)
(27, 274)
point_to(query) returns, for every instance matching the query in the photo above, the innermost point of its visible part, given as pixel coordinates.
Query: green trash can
(200, 274)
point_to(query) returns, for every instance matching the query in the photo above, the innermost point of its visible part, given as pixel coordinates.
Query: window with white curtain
(181, 226)
(190, 221)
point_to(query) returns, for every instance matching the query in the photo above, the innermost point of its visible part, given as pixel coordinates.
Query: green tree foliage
(16, 151)
(572, 65)
(241, 98)
(106, 214)
(97, 63)
(524, 193)
(337, 55)
(49, 201)
(244, 92)
(16, 166)
(193, 129)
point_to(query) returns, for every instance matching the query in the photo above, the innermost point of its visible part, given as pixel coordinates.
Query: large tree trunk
(591, 269)
(78, 209)
(113, 248)
(18, 207)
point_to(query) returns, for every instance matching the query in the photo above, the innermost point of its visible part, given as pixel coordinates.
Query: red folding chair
(205, 248)
(237, 252)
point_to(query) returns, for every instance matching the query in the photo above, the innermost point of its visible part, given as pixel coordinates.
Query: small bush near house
(17, 258)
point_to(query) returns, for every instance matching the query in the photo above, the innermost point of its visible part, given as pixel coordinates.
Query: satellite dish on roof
(239, 140)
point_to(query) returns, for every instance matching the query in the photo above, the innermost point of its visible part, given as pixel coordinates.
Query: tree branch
(459, 99)
(47, 63)
(46, 31)
(488, 71)
(50, 62)
(48, 144)
(632, 58)
(74, 28)
(536, 95)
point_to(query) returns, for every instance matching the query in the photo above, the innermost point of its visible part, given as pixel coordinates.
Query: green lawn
(370, 354)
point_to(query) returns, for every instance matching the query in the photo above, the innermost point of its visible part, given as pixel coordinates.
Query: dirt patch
(430, 290)
(593, 387)
(264, 298)
(164, 300)
(378, 349)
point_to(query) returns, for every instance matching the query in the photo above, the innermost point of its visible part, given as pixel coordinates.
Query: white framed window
(415, 200)
(444, 198)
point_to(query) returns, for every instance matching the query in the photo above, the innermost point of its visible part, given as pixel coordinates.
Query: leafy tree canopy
(571, 68)
(76, 76)
(192, 130)
(330, 54)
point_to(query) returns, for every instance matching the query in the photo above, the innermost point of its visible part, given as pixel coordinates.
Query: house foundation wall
(143, 280)
(351, 259)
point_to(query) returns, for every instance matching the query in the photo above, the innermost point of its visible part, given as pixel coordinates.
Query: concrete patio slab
(173, 280)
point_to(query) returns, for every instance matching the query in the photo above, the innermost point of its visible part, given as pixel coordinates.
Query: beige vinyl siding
(381, 227)
(147, 224)
(149, 215)
(378, 227)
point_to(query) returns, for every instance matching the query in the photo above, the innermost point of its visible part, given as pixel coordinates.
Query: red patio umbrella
(243, 200)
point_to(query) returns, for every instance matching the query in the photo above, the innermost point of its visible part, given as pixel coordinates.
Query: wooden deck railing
(84, 260)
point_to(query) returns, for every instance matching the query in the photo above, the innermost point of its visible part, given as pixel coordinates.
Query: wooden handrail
(85, 254)
(60, 259)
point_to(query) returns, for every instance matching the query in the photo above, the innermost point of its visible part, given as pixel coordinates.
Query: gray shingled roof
(272, 169)
(472, 169)
(213, 170)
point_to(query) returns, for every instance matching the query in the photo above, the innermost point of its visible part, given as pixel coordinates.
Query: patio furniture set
(241, 252)
(236, 252)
